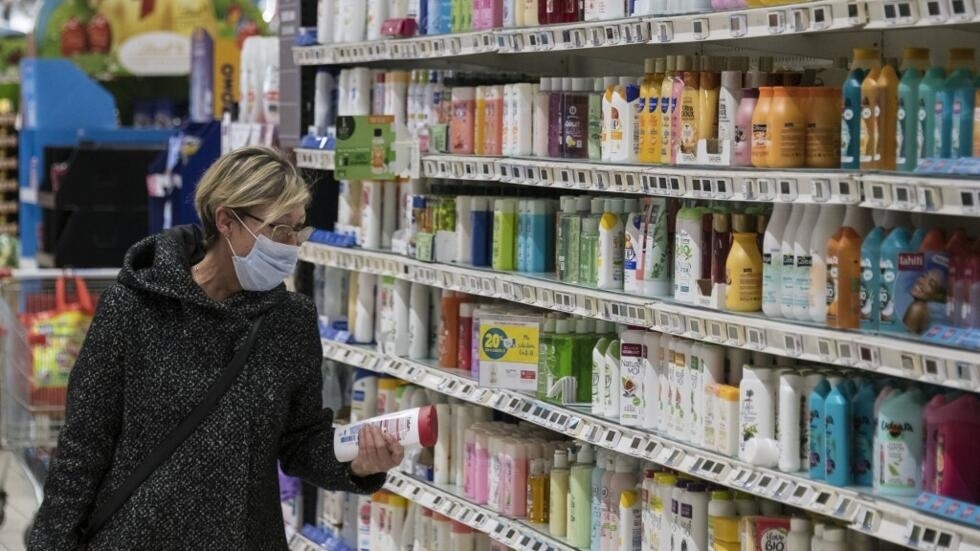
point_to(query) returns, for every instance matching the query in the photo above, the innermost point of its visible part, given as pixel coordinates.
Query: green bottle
(559, 379)
(546, 355)
(589, 246)
(584, 342)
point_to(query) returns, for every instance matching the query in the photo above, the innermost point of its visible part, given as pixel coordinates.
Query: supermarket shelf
(904, 192)
(895, 14)
(887, 520)
(734, 184)
(447, 501)
(319, 159)
(885, 355)
(420, 47)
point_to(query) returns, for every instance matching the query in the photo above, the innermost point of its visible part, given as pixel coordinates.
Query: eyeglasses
(281, 233)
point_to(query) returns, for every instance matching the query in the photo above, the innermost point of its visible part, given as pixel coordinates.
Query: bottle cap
(961, 54)
(721, 495)
(428, 426)
(740, 223)
(665, 479)
(567, 83)
(581, 84)
(731, 80)
(866, 54)
(799, 525)
(720, 223)
(660, 66)
(584, 455)
(545, 84)
(628, 498)
(582, 204)
(627, 81)
(750, 93)
(550, 325)
(834, 535)
(584, 326)
(625, 464)
(561, 459)
(765, 91)
(649, 65)
(563, 326)
(598, 85)
(709, 64)
(762, 452)
(598, 205)
(609, 81)
(780, 92)
(556, 84)
(918, 54)
(630, 205)
(603, 327)
(726, 529)
(618, 206)
(685, 63)
(397, 501)
(426, 512)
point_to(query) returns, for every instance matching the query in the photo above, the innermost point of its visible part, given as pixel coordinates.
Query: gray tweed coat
(155, 345)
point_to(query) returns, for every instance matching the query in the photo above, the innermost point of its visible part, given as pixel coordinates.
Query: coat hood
(161, 265)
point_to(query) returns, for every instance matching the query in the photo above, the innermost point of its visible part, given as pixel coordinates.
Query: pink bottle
(513, 502)
(931, 432)
(469, 462)
(481, 468)
(971, 309)
(957, 463)
(488, 14)
(462, 121)
(743, 127)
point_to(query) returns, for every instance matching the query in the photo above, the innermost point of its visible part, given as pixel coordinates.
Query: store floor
(21, 505)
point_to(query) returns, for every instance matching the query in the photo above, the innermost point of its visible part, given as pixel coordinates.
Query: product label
(509, 354)
(845, 136)
(770, 277)
(631, 367)
(817, 439)
(920, 290)
(920, 133)
(748, 413)
(833, 278)
(868, 294)
(955, 133)
(801, 293)
(900, 154)
(899, 466)
(684, 277)
(868, 134)
(937, 145)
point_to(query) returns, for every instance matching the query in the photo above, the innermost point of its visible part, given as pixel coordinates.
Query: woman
(184, 303)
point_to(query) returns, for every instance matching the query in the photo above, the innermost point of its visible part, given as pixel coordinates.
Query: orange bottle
(823, 128)
(787, 129)
(760, 129)
(844, 278)
(887, 84)
(870, 156)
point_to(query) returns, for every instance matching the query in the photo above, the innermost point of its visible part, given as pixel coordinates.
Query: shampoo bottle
(897, 242)
(838, 434)
(800, 302)
(851, 123)
(580, 499)
(958, 100)
(609, 261)
(929, 125)
(915, 62)
(818, 435)
(899, 443)
(744, 134)
(829, 221)
(887, 84)
(772, 259)
(863, 416)
(743, 268)
(844, 269)
(612, 384)
(760, 128)
(791, 402)
(757, 410)
(871, 278)
(558, 500)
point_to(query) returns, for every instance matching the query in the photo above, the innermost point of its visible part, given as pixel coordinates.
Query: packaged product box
(920, 290)
(507, 348)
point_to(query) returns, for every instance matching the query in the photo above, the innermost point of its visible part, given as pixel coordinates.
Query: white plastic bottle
(326, 10)
(418, 322)
(828, 222)
(799, 535)
(377, 12)
(541, 117)
(834, 539)
(801, 273)
(412, 428)
(364, 395)
(363, 324)
(787, 273)
(612, 383)
(791, 402)
(370, 234)
(816, 542)
(772, 259)
(599, 376)
(757, 412)
(651, 380)
(629, 531)
(694, 514)
(632, 357)
(712, 358)
(609, 260)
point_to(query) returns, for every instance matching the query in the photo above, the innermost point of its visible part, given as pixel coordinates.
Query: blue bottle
(422, 19)
(897, 242)
(818, 397)
(929, 125)
(871, 278)
(918, 236)
(862, 415)
(838, 434)
(541, 237)
(482, 236)
(954, 107)
(850, 155)
(915, 64)
(523, 234)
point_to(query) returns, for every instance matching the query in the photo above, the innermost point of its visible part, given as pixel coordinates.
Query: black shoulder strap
(169, 445)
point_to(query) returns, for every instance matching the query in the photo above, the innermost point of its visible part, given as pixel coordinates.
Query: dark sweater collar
(161, 265)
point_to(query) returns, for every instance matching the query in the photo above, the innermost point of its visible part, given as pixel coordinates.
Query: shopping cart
(44, 316)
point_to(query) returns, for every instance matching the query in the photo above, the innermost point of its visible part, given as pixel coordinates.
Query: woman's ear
(223, 220)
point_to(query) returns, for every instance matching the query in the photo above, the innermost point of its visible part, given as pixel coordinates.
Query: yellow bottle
(650, 118)
(760, 128)
(870, 111)
(887, 84)
(666, 98)
(743, 269)
(480, 120)
(690, 104)
(787, 129)
(710, 86)
(538, 492)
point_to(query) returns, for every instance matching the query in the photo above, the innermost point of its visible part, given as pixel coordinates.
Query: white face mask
(267, 265)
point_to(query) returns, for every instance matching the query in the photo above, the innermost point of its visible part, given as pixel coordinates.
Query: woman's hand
(377, 452)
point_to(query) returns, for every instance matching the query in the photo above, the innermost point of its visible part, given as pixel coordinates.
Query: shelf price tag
(700, 28)
(930, 198)
(777, 21)
(665, 31)
(738, 25)
(788, 191)
(755, 337)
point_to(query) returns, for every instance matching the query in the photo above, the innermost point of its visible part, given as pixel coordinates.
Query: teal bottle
(954, 104)
(871, 278)
(926, 134)
(862, 416)
(897, 242)
(850, 138)
(818, 452)
(914, 64)
(918, 236)
(838, 429)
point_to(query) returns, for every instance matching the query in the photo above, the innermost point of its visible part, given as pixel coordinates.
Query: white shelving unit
(829, 27)
(893, 521)
(884, 355)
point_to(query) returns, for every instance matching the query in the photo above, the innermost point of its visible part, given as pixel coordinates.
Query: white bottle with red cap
(412, 428)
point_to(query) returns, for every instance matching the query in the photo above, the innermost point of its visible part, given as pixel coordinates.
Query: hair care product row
(893, 117)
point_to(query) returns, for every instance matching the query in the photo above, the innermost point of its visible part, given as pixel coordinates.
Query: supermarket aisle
(21, 505)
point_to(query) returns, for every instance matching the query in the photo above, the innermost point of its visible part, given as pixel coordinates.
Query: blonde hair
(254, 176)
